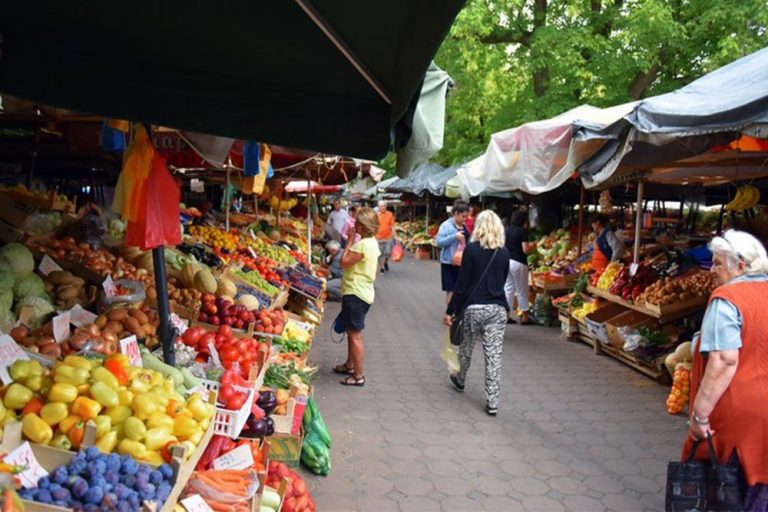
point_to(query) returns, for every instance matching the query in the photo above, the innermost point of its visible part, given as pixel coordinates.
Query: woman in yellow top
(360, 265)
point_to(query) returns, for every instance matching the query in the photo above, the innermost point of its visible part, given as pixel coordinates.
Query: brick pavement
(575, 431)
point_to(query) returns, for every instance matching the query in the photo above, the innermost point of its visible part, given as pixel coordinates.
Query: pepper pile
(629, 287)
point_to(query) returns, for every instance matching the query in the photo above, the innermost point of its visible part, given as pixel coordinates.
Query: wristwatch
(700, 421)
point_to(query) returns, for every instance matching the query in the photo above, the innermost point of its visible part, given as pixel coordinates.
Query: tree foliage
(516, 61)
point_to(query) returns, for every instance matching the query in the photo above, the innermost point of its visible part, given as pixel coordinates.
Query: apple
(238, 324)
(215, 320)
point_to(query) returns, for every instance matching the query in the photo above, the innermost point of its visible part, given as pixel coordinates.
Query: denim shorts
(353, 311)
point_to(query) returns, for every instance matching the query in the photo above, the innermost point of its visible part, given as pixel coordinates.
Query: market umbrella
(331, 76)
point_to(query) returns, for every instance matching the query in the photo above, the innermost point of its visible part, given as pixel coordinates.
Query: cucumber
(190, 381)
(153, 363)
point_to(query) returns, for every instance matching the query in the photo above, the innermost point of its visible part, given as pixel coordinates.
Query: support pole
(309, 221)
(166, 332)
(256, 206)
(582, 199)
(638, 221)
(226, 203)
(426, 217)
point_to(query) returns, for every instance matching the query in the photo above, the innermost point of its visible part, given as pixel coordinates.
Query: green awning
(256, 70)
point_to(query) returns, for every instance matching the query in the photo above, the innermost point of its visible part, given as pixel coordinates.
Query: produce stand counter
(664, 314)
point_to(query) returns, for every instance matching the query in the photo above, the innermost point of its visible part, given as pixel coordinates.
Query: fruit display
(137, 411)
(629, 287)
(605, 280)
(297, 497)
(220, 311)
(201, 254)
(680, 393)
(215, 237)
(96, 481)
(747, 196)
(682, 354)
(582, 311)
(670, 290)
(269, 250)
(255, 278)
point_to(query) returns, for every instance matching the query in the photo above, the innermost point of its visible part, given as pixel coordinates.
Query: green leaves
(514, 63)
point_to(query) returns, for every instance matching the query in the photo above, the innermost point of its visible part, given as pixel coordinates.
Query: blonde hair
(737, 246)
(489, 231)
(367, 219)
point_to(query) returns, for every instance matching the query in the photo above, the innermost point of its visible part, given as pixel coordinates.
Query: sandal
(343, 369)
(353, 381)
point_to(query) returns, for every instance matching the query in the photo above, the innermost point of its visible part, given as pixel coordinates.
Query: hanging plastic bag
(137, 165)
(456, 259)
(397, 252)
(450, 354)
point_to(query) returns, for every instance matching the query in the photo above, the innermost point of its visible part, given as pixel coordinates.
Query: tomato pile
(297, 497)
(243, 351)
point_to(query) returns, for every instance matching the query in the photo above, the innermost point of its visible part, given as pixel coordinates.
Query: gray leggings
(487, 321)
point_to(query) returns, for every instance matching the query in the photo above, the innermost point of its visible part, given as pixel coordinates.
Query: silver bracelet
(699, 421)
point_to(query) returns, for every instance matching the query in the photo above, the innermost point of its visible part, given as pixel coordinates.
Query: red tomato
(206, 338)
(229, 353)
(236, 401)
(225, 330)
(226, 392)
(221, 340)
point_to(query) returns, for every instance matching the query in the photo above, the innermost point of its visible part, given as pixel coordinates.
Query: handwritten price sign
(130, 347)
(239, 458)
(80, 317)
(47, 265)
(195, 503)
(23, 456)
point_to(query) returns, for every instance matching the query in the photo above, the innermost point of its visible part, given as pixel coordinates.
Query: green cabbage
(41, 310)
(6, 300)
(7, 320)
(19, 258)
(29, 285)
(6, 276)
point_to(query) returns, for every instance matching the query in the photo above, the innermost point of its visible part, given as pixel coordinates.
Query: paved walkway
(575, 431)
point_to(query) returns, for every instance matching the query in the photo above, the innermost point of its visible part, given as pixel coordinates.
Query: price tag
(633, 269)
(253, 253)
(130, 347)
(109, 287)
(23, 456)
(178, 323)
(239, 458)
(80, 317)
(47, 265)
(214, 354)
(195, 503)
(10, 351)
(61, 326)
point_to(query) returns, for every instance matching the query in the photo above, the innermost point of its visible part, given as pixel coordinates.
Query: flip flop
(343, 370)
(351, 380)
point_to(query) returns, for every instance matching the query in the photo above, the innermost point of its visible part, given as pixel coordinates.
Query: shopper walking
(360, 264)
(452, 237)
(385, 235)
(607, 246)
(516, 285)
(480, 295)
(337, 219)
(729, 381)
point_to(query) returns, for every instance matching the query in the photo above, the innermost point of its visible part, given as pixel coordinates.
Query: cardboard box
(286, 448)
(633, 319)
(568, 325)
(15, 213)
(597, 319)
(423, 254)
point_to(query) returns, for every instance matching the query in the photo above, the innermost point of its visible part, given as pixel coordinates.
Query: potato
(139, 315)
(68, 292)
(117, 315)
(115, 327)
(59, 277)
(134, 327)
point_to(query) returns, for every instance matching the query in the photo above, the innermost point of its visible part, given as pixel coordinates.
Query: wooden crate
(597, 319)
(630, 318)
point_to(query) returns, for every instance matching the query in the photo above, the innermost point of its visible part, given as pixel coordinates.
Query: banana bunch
(746, 197)
(282, 205)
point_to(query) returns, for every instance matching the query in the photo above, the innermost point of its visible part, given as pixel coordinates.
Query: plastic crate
(230, 423)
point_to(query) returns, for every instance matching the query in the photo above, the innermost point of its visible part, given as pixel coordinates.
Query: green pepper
(158, 437)
(103, 394)
(78, 362)
(62, 392)
(103, 425)
(19, 370)
(119, 414)
(133, 448)
(60, 441)
(101, 374)
(34, 382)
(71, 375)
(135, 430)
(17, 396)
(106, 443)
(36, 429)
(54, 413)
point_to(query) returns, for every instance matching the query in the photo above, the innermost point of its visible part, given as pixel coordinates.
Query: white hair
(332, 244)
(736, 246)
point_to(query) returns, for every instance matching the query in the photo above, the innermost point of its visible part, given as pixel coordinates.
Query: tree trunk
(642, 80)
(540, 77)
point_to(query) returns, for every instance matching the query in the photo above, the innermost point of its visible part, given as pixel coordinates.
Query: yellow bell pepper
(135, 430)
(119, 414)
(78, 362)
(19, 370)
(184, 427)
(158, 437)
(152, 457)
(62, 392)
(161, 401)
(200, 410)
(160, 419)
(34, 382)
(196, 437)
(204, 424)
(133, 448)
(17, 396)
(69, 422)
(101, 374)
(144, 406)
(36, 430)
(83, 389)
(104, 394)
(106, 443)
(124, 396)
(86, 408)
(103, 425)
(119, 430)
(54, 413)
(71, 375)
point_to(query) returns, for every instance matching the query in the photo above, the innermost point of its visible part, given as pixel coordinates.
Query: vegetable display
(670, 290)
(297, 497)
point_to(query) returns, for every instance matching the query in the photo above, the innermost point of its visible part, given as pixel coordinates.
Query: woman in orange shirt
(385, 235)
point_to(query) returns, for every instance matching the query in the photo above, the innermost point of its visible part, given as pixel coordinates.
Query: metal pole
(582, 199)
(309, 221)
(166, 332)
(256, 206)
(638, 221)
(426, 221)
(226, 203)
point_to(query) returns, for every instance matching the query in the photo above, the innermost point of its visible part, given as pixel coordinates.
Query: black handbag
(698, 486)
(456, 330)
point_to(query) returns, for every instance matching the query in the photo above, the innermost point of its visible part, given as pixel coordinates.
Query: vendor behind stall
(608, 247)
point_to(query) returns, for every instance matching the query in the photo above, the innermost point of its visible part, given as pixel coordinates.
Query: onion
(93, 330)
(78, 340)
(109, 337)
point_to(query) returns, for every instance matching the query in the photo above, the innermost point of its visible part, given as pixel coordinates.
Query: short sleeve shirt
(358, 279)
(386, 223)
